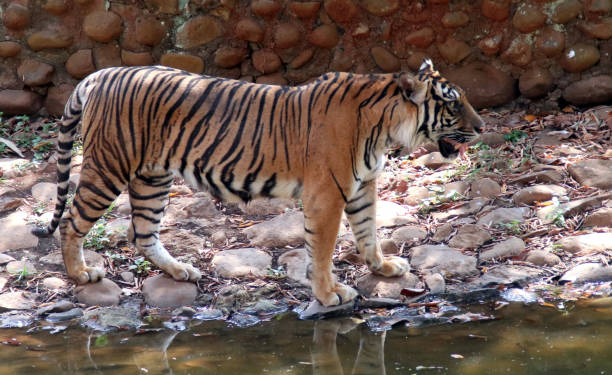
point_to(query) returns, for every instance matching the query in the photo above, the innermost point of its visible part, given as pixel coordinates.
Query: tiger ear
(427, 66)
(412, 89)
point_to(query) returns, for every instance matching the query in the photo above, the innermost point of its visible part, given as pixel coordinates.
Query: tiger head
(445, 117)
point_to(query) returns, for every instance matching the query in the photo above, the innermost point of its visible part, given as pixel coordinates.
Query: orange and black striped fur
(324, 142)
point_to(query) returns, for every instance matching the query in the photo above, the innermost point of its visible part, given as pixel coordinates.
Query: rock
(103, 293)
(283, 230)
(200, 206)
(15, 233)
(485, 187)
(265, 307)
(470, 236)
(590, 91)
(513, 246)
(542, 258)
(50, 39)
(432, 160)
(296, 263)
(307, 9)
(538, 193)
(127, 276)
(229, 57)
(592, 172)
(442, 259)
(149, 30)
(491, 45)
(80, 64)
(599, 6)
(272, 79)
(116, 231)
(505, 274)
(586, 243)
(60, 306)
(3, 282)
(5, 258)
(535, 82)
(35, 73)
(209, 314)
(599, 218)
(470, 208)
(315, 310)
(550, 176)
(19, 102)
(421, 38)
(443, 233)
(485, 86)
(15, 319)
(550, 41)
(579, 57)
(241, 262)
(265, 8)
(107, 55)
(102, 26)
(388, 247)
(565, 11)
(385, 59)
(503, 215)
(64, 316)
(18, 267)
(56, 7)
(16, 16)
(219, 238)
(435, 283)
(341, 10)
(266, 61)
(9, 49)
(111, 318)
(286, 35)
(232, 297)
(189, 63)
(136, 58)
(408, 236)
(45, 192)
(92, 258)
(519, 295)
(53, 283)
(528, 18)
(380, 8)
(455, 19)
(586, 272)
(371, 285)
(18, 300)
(198, 31)
(57, 97)
(163, 291)
(250, 30)
(496, 10)
(390, 214)
(265, 207)
(519, 52)
(581, 205)
(302, 58)
(324, 36)
(454, 51)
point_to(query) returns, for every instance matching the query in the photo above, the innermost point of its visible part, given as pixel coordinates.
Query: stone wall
(497, 50)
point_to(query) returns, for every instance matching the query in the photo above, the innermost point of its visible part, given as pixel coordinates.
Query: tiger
(323, 142)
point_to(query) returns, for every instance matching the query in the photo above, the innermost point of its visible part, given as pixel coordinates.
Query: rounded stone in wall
(421, 38)
(166, 6)
(250, 30)
(453, 51)
(198, 31)
(579, 57)
(130, 58)
(265, 8)
(518, 53)
(535, 82)
(415, 60)
(385, 59)
(57, 96)
(102, 26)
(266, 61)
(380, 8)
(455, 19)
(188, 63)
(50, 39)
(485, 85)
(342, 61)
(272, 79)
(9, 49)
(528, 18)
(496, 10)
(302, 58)
(286, 35)
(324, 36)
(56, 7)
(599, 30)
(491, 45)
(307, 9)
(16, 16)
(19, 102)
(550, 42)
(80, 64)
(341, 10)
(149, 30)
(599, 6)
(590, 91)
(229, 57)
(35, 73)
(565, 11)
(107, 55)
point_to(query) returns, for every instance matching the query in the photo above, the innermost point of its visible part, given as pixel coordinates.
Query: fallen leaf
(529, 118)
(457, 356)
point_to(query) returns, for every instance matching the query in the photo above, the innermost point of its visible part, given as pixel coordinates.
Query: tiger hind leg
(148, 198)
(361, 213)
(93, 196)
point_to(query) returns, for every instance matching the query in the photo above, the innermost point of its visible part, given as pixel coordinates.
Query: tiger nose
(478, 125)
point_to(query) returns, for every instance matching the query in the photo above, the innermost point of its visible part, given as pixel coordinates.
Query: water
(521, 340)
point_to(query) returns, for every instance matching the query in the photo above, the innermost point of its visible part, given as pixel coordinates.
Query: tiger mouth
(450, 148)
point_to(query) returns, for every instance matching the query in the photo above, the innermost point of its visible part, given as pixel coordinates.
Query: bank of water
(522, 339)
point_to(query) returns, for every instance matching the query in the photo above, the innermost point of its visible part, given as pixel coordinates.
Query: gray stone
(388, 246)
(442, 259)
(127, 276)
(485, 187)
(593, 172)
(45, 192)
(547, 176)
(409, 235)
(283, 230)
(435, 283)
(233, 297)
(433, 160)
(296, 264)
(390, 214)
(503, 215)
(10, 204)
(587, 272)
(65, 316)
(241, 262)
(12, 167)
(599, 218)
(538, 193)
(505, 274)
(53, 283)
(17, 267)
(470, 236)
(513, 246)
(587, 243)
(5, 258)
(92, 259)
(264, 207)
(201, 206)
(18, 300)
(116, 231)
(3, 282)
(60, 306)
(371, 285)
(443, 232)
(315, 310)
(542, 258)
(219, 238)
(103, 293)
(519, 295)
(15, 233)
(470, 208)
(163, 291)
(111, 318)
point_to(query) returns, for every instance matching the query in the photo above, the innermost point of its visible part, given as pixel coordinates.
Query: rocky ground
(526, 216)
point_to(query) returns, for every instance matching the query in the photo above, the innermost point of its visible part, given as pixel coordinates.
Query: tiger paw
(184, 272)
(393, 266)
(339, 295)
(87, 275)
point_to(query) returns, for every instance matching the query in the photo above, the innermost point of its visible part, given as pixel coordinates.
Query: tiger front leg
(72, 252)
(361, 213)
(322, 214)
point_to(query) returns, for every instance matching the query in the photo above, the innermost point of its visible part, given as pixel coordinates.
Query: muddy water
(521, 340)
